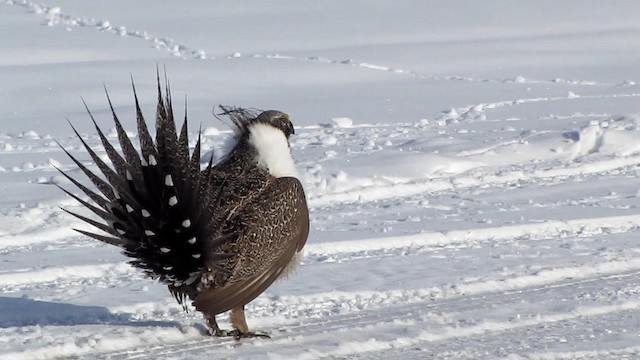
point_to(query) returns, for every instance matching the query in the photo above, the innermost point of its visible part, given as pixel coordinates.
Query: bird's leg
(241, 330)
(239, 323)
(212, 325)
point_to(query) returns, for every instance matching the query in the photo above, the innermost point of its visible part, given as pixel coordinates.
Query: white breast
(273, 150)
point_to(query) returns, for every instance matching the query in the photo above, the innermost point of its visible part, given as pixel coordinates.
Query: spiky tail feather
(152, 202)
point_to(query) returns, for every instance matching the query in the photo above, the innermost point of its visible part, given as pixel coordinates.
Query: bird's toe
(245, 335)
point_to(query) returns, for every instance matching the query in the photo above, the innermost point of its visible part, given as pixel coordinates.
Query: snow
(471, 170)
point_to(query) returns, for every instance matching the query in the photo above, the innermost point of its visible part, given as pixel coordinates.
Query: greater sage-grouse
(218, 236)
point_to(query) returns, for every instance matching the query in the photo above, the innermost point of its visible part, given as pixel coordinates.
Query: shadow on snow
(15, 312)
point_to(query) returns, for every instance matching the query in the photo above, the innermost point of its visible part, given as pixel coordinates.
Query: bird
(217, 234)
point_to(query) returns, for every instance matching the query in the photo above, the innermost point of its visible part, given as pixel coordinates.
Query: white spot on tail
(152, 160)
(149, 233)
(121, 232)
(164, 250)
(173, 200)
(168, 180)
(128, 174)
(145, 213)
(273, 149)
(192, 240)
(196, 256)
(186, 223)
(129, 208)
(167, 267)
(143, 161)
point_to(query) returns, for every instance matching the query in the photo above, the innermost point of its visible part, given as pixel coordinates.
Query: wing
(271, 229)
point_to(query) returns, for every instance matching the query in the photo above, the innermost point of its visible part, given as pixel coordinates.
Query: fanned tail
(151, 201)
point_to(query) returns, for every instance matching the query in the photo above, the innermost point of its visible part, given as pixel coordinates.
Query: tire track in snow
(320, 304)
(499, 339)
(344, 251)
(621, 353)
(65, 276)
(513, 284)
(55, 17)
(408, 243)
(27, 239)
(452, 333)
(468, 181)
(397, 313)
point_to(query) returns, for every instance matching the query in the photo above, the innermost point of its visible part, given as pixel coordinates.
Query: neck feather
(273, 150)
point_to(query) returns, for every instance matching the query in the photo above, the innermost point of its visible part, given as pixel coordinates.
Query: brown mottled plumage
(218, 236)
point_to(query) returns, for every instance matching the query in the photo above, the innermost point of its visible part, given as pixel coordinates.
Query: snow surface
(471, 167)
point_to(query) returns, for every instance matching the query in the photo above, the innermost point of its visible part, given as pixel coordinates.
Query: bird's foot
(237, 334)
(217, 332)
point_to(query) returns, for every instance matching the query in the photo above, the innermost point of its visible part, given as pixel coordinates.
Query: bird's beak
(290, 125)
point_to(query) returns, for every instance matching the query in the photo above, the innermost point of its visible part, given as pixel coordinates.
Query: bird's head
(244, 118)
(267, 132)
(277, 119)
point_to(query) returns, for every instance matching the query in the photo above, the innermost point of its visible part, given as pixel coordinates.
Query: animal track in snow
(476, 112)
(55, 17)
